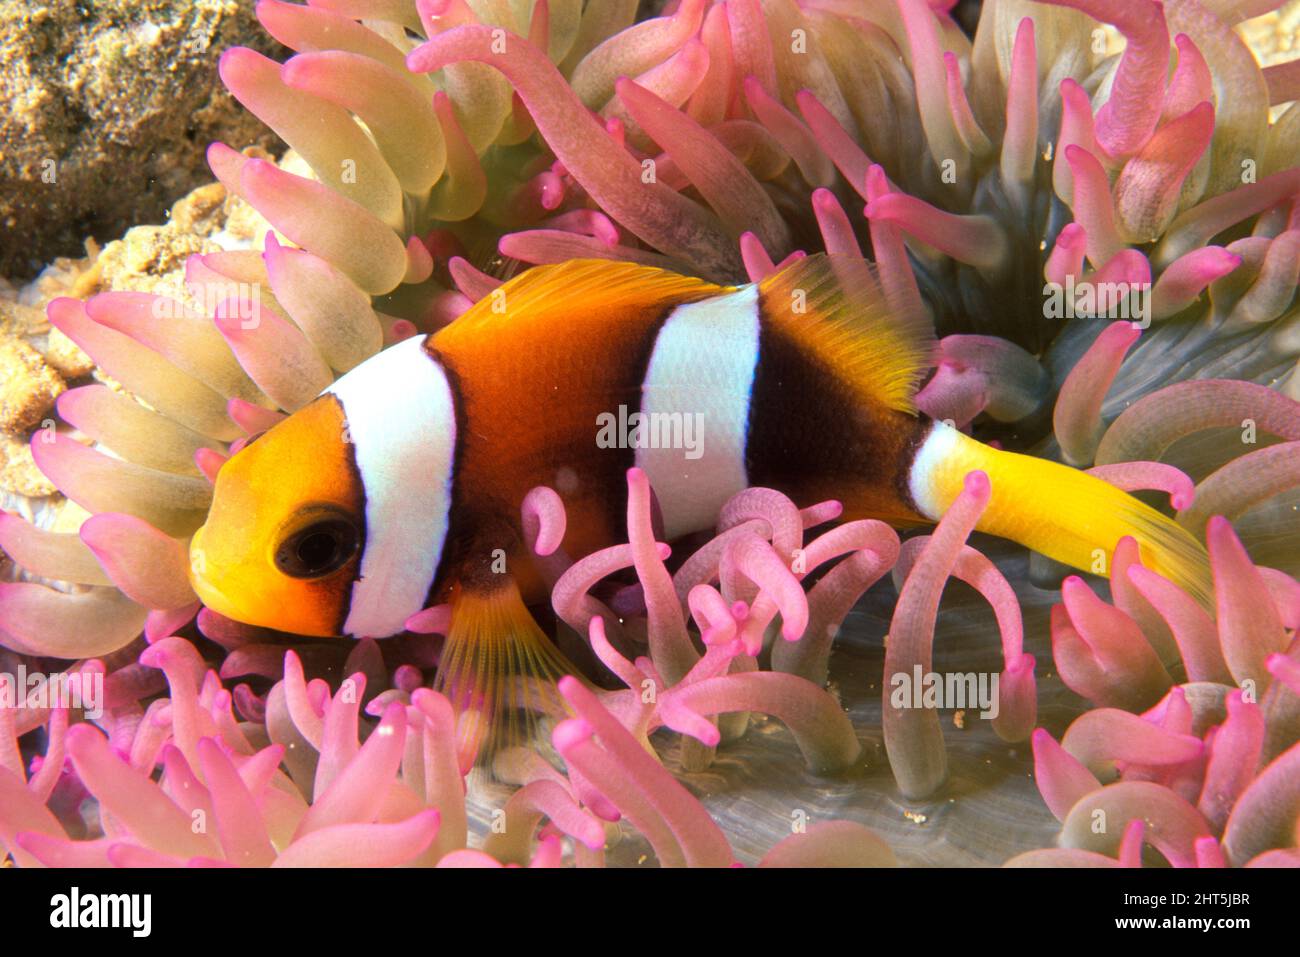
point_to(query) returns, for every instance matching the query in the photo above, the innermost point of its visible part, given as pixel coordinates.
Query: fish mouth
(196, 566)
(198, 572)
(196, 549)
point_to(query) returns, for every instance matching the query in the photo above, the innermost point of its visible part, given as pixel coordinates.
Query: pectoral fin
(499, 671)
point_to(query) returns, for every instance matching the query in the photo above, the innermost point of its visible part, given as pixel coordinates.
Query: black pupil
(318, 549)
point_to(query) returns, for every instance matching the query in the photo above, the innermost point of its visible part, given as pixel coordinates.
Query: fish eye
(318, 549)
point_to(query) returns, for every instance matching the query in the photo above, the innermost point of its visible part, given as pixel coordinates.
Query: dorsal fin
(835, 305)
(572, 287)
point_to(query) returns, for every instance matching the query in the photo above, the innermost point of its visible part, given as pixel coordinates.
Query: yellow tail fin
(1061, 512)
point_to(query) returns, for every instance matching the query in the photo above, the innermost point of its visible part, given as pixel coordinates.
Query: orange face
(284, 536)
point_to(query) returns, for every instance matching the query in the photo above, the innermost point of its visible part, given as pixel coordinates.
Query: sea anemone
(753, 110)
(1135, 152)
(1201, 769)
(305, 780)
(757, 559)
(318, 785)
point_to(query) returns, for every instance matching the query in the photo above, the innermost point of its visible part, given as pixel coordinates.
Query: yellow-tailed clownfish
(400, 486)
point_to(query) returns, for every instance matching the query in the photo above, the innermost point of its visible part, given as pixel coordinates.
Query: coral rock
(104, 119)
(18, 473)
(28, 387)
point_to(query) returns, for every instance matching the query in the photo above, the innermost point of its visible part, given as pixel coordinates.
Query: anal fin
(499, 671)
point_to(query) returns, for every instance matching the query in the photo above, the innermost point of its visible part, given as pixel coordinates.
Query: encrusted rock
(65, 356)
(147, 254)
(105, 113)
(17, 319)
(18, 472)
(28, 386)
(37, 361)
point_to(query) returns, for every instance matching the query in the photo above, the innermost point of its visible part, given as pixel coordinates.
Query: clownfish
(400, 485)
